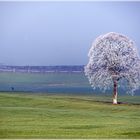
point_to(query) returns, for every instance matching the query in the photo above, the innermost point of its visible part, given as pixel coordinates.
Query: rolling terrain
(26, 115)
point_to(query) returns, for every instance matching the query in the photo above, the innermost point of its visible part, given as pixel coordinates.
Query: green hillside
(63, 116)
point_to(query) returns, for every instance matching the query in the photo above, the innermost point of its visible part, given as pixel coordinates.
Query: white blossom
(113, 56)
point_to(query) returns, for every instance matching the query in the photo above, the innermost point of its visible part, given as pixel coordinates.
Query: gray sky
(61, 33)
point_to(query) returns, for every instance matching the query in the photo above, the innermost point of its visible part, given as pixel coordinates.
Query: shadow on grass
(82, 127)
(134, 134)
(123, 103)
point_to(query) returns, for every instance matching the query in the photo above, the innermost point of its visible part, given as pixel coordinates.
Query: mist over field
(52, 82)
(56, 34)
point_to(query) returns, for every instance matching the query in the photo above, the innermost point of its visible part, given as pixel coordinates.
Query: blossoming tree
(113, 58)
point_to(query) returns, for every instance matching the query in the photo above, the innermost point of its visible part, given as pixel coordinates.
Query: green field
(57, 82)
(24, 115)
(45, 82)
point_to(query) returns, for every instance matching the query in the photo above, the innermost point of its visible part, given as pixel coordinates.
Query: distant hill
(75, 68)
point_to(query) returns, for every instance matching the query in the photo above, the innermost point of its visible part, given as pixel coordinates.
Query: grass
(45, 82)
(68, 116)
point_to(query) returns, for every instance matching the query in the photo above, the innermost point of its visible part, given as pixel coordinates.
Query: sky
(61, 33)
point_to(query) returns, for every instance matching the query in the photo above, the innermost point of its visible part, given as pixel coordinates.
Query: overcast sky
(61, 33)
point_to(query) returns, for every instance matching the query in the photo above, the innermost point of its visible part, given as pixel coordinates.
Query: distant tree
(113, 59)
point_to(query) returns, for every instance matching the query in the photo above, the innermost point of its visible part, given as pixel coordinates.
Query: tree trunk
(115, 92)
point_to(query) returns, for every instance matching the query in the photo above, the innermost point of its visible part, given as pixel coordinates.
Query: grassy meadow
(26, 115)
(45, 82)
